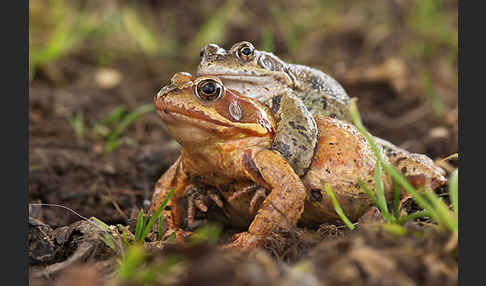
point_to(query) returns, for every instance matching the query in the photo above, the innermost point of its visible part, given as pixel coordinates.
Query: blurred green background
(334, 34)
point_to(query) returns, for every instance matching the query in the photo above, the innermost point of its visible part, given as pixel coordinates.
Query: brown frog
(231, 152)
(292, 92)
(264, 76)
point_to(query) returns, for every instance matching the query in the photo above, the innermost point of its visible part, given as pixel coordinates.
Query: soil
(80, 174)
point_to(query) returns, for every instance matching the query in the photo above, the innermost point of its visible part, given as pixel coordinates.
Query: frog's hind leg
(419, 169)
(296, 135)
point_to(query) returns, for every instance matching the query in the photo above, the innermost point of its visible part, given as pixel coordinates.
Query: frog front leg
(296, 133)
(173, 212)
(283, 206)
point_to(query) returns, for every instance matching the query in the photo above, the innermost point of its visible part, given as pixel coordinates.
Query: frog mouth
(246, 78)
(193, 117)
(174, 115)
(263, 79)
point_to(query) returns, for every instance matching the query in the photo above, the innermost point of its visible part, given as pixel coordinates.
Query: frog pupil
(246, 51)
(201, 54)
(208, 88)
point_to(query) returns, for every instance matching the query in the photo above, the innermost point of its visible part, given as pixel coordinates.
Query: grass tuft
(428, 200)
(143, 226)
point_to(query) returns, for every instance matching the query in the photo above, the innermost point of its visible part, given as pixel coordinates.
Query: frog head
(200, 111)
(246, 69)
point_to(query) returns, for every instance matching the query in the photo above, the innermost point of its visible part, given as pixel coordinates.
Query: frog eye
(209, 90)
(245, 52)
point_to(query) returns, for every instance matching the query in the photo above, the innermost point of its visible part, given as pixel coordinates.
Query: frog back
(321, 94)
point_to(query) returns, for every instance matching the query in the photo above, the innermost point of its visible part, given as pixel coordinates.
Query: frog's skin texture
(264, 76)
(226, 140)
(292, 92)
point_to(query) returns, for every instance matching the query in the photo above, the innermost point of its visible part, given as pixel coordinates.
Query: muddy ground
(78, 172)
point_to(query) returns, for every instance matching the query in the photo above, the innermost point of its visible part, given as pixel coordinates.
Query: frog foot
(260, 193)
(198, 201)
(244, 241)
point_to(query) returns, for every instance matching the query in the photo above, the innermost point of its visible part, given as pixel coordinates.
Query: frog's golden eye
(245, 52)
(209, 90)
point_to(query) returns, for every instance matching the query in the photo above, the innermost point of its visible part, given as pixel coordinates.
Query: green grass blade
(130, 118)
(413, 216)
(139, 226)
(379, 188)
(391, 170)
(338, 208)
(100, 223)
(395, 229)
(157, 213)
(125, 237)
(453, 191)
(445, 214)
(384, 213)
(114, 116)
(368, 192)
(160, 229)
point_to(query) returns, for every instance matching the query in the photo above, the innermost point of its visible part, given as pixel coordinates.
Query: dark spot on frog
(309, 141)
(400, 159)
(315, 82)
(315, 195)
(295, 126)
(283, 148)
(251, 166)
(404, 170)
(275, 104)
(303, 147)
(324, 102)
